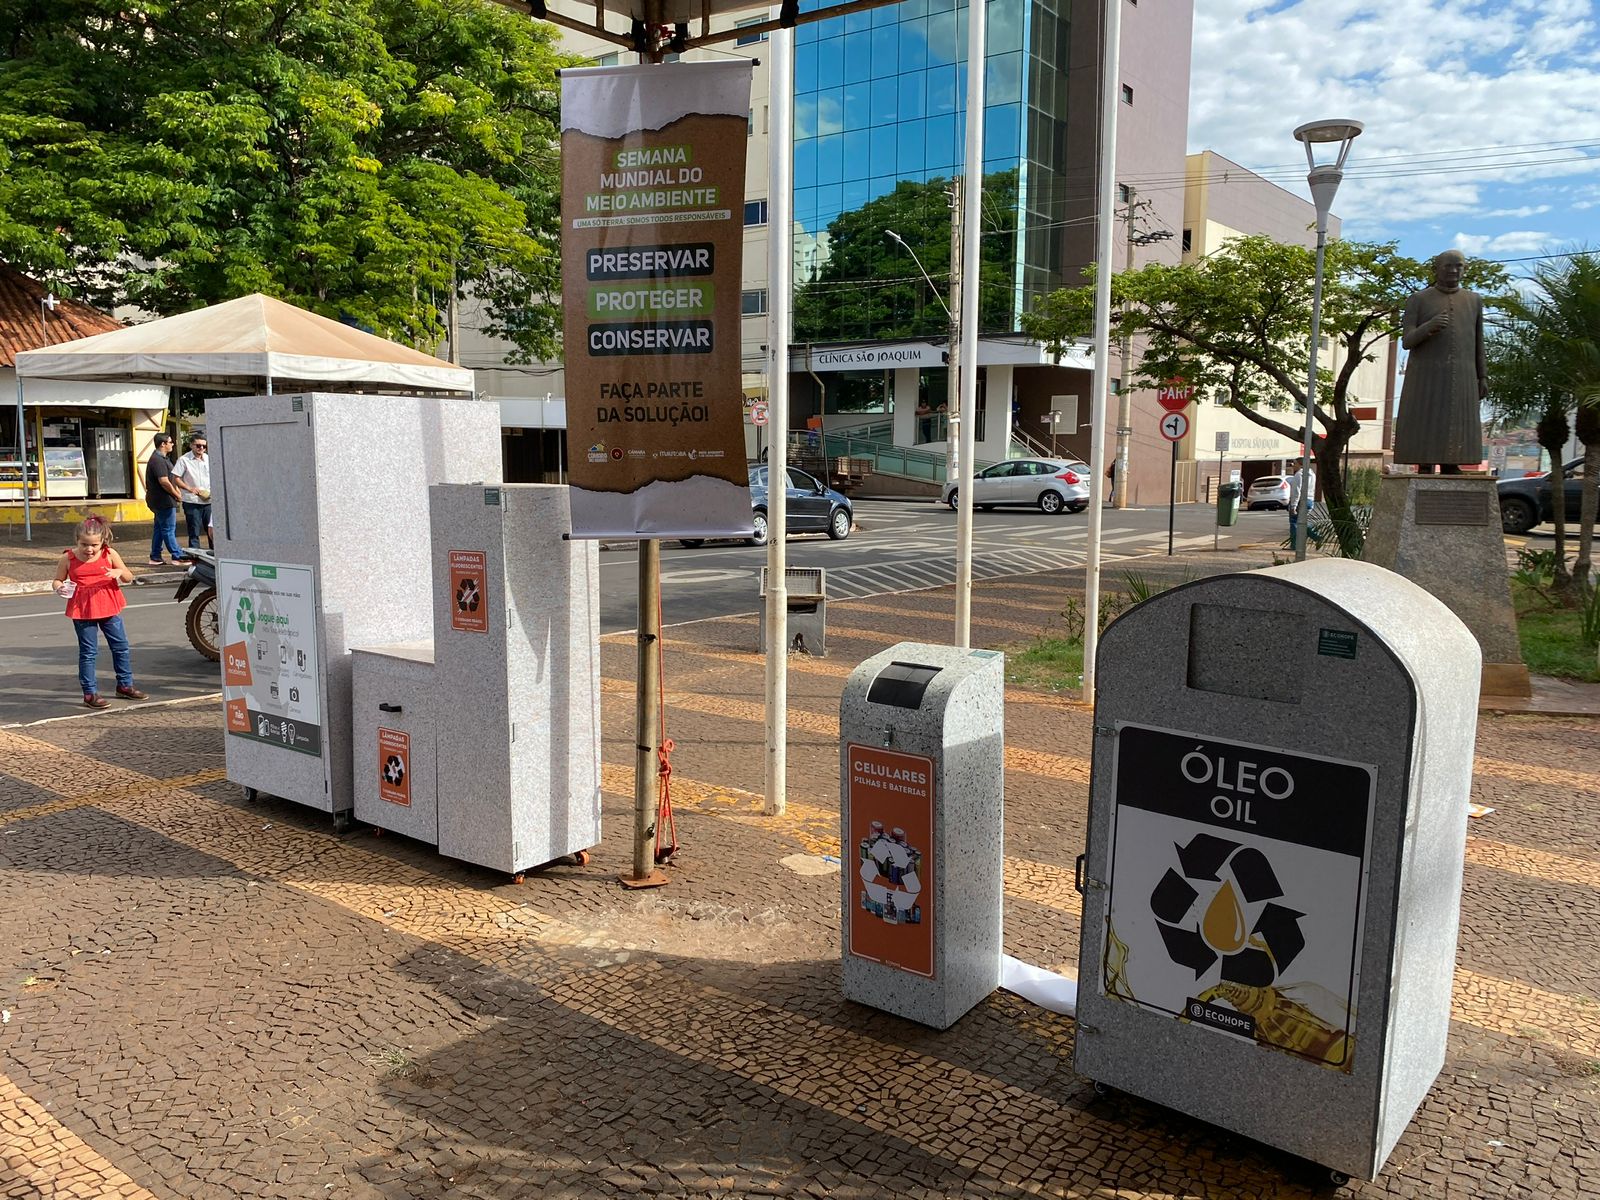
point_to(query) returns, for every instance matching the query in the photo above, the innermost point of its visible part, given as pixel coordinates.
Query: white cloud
(1439, 85)
(1517, 241)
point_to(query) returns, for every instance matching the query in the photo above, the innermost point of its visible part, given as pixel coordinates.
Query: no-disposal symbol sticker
(394, 767)
(469, 603)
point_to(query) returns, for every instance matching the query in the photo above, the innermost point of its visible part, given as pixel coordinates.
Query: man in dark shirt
(162, 496)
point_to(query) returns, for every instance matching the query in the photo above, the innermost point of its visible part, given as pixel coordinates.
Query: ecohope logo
(246, 616)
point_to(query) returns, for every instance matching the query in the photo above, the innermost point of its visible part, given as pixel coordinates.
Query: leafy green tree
(365, 159)
(1239, 321)
(870, 287)
(1552, 350)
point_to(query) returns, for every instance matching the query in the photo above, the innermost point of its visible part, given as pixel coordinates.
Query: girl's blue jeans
(89, 650)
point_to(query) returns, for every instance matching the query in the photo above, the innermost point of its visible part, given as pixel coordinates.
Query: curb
(40, 587)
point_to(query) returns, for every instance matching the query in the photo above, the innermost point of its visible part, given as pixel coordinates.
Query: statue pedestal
(1442, 532)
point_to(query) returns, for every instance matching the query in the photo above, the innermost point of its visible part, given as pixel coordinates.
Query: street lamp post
(952, 351)
(1323, 179)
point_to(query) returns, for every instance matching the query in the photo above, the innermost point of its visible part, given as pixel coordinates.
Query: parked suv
(1525, 502)
(1053, 484)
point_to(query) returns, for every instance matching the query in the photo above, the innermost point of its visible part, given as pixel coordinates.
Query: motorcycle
(201, 622)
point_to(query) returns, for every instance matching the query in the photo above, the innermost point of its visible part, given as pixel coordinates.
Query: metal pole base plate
(654, 879)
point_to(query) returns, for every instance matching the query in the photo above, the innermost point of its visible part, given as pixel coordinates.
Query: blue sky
(1482, 118)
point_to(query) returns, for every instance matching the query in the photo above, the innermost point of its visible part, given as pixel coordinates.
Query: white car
(1053, 484)
(1270, 491)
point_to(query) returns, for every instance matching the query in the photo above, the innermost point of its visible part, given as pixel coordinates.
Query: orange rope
(666, 826)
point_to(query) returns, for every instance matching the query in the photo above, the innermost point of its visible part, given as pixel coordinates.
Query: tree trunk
(1588, 428)
(1553, 431)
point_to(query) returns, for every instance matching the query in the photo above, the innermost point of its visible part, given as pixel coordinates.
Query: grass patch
(1054, 664)
(1552, 637)
(397, 1064)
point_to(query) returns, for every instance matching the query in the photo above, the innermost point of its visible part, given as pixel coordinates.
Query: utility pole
(953, 394)
(1131, 238)
(1124, 392)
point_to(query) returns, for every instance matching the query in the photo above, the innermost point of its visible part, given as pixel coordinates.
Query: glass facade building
(880, 98)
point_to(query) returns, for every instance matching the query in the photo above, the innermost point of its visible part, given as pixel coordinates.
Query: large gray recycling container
(320, 507)
(1277, 824)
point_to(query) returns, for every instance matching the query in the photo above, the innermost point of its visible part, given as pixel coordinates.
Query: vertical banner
(652, 242)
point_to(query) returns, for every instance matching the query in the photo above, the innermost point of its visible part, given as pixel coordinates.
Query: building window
(749, 39)
(607, 60)
(753, 302)
(1124, 192)
(1188, 240)
(755, 212)
(750, 122)
(1127, 94)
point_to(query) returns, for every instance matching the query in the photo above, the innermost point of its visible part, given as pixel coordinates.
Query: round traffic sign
(1174, 395)
(1174, 426)
(758, 414)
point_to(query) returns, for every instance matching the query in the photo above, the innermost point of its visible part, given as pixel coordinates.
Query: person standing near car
(162, 495)
(1304, 477)
(192, 474)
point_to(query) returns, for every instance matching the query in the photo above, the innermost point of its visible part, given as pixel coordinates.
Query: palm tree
(1517, 395)
(1556, 350)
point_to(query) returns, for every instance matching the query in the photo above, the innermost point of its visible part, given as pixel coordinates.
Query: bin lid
(901, 685)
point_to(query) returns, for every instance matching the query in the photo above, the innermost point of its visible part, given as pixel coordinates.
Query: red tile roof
(24, 325)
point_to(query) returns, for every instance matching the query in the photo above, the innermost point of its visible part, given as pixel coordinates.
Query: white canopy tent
(252, 344)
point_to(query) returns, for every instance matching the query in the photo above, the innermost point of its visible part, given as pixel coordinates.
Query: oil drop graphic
(1223, 925)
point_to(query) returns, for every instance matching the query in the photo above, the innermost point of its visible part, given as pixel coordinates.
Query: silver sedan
(1051, 484)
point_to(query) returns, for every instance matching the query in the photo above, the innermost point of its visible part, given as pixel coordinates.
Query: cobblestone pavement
(208, 999)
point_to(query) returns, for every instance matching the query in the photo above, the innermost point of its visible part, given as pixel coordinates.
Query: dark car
(813, 507)
(1525, 502)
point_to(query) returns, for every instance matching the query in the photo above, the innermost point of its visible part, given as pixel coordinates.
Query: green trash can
(1228, 503)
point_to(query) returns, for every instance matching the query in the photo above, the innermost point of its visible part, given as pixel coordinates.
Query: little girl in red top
(90, 578)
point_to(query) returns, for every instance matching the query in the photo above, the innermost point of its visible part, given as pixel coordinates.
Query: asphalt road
(897, 546)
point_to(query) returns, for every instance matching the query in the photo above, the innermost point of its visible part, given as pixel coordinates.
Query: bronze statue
(1446, 379)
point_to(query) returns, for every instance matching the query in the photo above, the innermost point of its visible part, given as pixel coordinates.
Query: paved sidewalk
(30, 566)
(208, 999)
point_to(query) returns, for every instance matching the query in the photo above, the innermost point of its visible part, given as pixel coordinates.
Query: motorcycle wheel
(201, 625)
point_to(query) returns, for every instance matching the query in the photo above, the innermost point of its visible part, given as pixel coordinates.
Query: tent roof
(242, 344)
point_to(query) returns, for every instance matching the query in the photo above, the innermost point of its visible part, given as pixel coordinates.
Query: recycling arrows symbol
(246, 616)
(394, 770)
(467, 596)
(1276, 926)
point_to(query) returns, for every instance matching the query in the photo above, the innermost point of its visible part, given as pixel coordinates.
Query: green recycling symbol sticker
(246, 615)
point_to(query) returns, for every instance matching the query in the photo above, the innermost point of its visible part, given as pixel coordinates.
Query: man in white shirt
(1303, 477)
(192, 474)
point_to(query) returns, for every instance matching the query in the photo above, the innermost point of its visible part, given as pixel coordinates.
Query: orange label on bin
(236, 664)
(238, 716)
(469, 599)
(394, 767)
(889, 856)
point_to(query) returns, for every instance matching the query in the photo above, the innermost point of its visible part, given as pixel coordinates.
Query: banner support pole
(647, 720)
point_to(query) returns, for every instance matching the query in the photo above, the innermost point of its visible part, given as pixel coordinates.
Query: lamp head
(50, 301)
(1324, 178)
(893, 236)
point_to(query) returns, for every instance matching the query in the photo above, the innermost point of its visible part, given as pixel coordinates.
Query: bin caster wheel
(518, 877)
(377, 831)
(341, 822)
(580, 858)
(1101, 1089)
(251, 796)
(1338, 1178)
